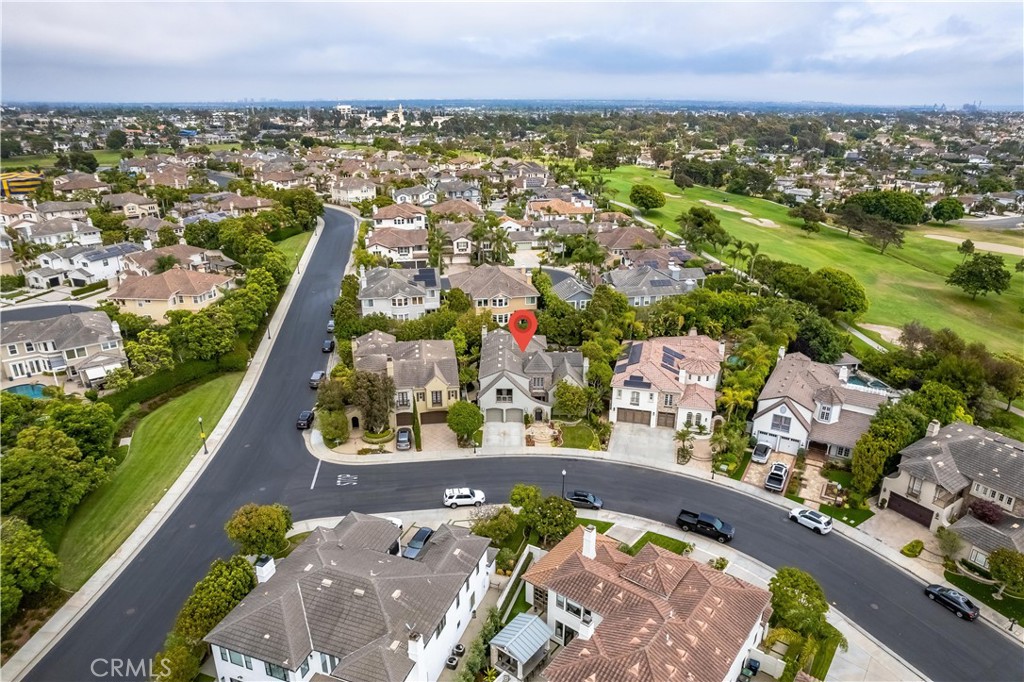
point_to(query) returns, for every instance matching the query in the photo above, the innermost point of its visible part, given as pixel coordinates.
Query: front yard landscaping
(851, 517)
(663, 541)
(162, 445)
(1011, 607)
(579, 436)
(601, 526)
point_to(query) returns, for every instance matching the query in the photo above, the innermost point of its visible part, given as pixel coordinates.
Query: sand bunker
(760, 222)
(981, 246)
(725, 207)
(888, 334)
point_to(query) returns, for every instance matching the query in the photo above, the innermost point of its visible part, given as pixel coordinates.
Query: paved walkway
(867, 660)
(863, 337)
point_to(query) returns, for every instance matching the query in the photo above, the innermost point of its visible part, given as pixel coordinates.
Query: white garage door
(494, 414)
(788, 445)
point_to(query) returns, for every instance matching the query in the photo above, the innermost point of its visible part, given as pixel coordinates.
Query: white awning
(93, 373)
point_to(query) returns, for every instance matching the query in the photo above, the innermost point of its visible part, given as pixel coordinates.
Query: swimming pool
(31, 390)
(873, 383)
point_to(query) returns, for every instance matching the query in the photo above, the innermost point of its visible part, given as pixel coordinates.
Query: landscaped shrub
(506, 559)
(235, 361)
(11, 282)
(913, 548)
(334, 427)
(416, 438)
(497, 526)
(950, 543)
(283, 233)
(89, 288)
(160, 382)
(986, 511)
(719, 563)
(385, 436)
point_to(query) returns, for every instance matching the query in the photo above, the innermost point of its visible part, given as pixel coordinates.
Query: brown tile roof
(558, 207)
(627, 238)
(146, 260)
(399, 211)
(488, 281)
(393, 237)
(167, 284)
(697, 355)
(663, 616)
(799, 378)
(456, 207)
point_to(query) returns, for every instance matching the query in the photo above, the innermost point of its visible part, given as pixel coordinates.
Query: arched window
(689, 419)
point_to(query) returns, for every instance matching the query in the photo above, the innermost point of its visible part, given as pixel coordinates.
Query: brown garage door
(438, 417)
(633, 416)
(912, 510)
(667, 419)
(403, 418)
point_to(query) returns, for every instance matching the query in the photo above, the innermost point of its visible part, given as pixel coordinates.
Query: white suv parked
(460, 497)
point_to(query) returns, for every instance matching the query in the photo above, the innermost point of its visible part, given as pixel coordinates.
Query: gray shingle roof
(571, 286)
(488, 281)
(960, 453)
(500, 356)
(340, 593)
(523, 637)
(415, 362)
(66, 331)
(388, 282)
(989, 537)
(647, 281)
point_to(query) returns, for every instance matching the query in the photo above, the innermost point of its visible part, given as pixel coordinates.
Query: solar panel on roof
(661, 282)
(634, 353)
(675, 354)
(636, 382)
(426, 277)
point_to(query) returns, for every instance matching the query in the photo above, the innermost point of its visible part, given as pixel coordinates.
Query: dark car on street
(956, 602)
(305, 419)
(415, 545)
(585, 499)
(327, 346)
(705, 524)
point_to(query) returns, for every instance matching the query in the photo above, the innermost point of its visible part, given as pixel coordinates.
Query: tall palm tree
(752, 249)
(733, 398)
(501, 245)
(479, 234)
(437, 243)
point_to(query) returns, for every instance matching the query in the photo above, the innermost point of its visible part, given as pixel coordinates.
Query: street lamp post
(267, 315)
(563, 484)
(202, 435)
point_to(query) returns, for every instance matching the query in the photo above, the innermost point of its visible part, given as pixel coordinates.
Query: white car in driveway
(461, 497)
(815, 520)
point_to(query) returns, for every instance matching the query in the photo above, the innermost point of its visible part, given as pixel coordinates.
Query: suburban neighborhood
(510, 390)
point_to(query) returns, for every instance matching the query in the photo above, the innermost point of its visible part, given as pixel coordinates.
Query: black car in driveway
(585, 499)
(415, 546)
(957, 602)
(305, 419)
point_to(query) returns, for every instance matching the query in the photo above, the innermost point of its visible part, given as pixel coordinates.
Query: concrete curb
(61, 622)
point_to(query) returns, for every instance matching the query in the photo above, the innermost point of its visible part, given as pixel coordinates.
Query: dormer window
(825, 413)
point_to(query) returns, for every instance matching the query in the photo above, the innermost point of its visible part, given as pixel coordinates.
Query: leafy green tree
(950, 543)
(224, 586)
(1006, 375)
(947, 209)
(985, 272)
(120, 379)
(465, 419)
(700, 227)
(167, 262)
(259, 529)
(374, 395)
(90, 425)
(938, 401)
(203, 234)
(966, 248)
(334, 426)
(893, 428)
(165, 237)
(819, 339)
(26, 561)
(209, 333)
(571, 400)
(812, 216)
(39, 476)
(1007, 566)
(884, 233)
(19, 412)
(646, 197)
(178, 662)
(116, 139)
(797, 598)
(556, 518)
(10, 598)
(151, 353)
(497, 526)
(853, 299)
(528, 498)
(902, 208)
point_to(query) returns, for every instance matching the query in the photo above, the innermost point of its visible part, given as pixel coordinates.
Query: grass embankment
(601, 526)
(902, 285)
(293, 247)
(105, 157)
(162, 445)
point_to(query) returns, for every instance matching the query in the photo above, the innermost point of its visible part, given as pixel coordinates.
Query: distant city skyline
(881, 54)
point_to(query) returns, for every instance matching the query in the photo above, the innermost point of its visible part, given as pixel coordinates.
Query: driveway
(756, 473)
(504, 434)
(636, 441)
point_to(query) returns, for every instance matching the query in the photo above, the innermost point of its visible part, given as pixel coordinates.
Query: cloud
(870, 53)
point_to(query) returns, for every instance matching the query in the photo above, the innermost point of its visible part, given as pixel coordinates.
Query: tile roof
(799, 378)
(571, 286)
(124, 198)
(960, 453)
(169, 283)
(456, 207)
(185, 254)
(66, 331)
(647, 281)
(989, 537)
(627, 238)
(660, 360)
(557, 207)
(57, 226)
(663, 616)
(500, 356)
(488, 281)
(55, 206)
(342, 594)
(388, 282)
(399, 211)
(394, 237)
(415, 362)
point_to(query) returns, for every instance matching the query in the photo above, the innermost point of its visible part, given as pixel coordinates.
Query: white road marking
(348, 479)
(316, 473)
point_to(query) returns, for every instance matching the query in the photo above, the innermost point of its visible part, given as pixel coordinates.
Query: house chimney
(590, 542)
(389, 365)
(264, 568)
(782, 352)
(374, 209)
(483, 332)
(415, 647)
(693, 331)
(721, 348)
(362, 276)
(933, 428)
(147, 243)
(676, 273)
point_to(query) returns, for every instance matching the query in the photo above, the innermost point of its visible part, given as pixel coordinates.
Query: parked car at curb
(705, 524)
(305, 420)
(415, 546)
(461, 497)
(585, 499)
(403, 439)
(955, 601)
(777, 476)
(330, 326)
(761, 453)
(815, 520)
(317, 378)
(328, 345)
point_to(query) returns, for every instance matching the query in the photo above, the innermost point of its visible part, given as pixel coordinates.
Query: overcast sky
(863, 53)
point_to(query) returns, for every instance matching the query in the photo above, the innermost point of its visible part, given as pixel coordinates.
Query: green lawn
(843, 478)
(671, 544)
(520, 605)
(162, 446)
(737, 473)
(601, 526)
(293, 542)
(823, 660)
(851, 517)
(294, 246)
(105, 157)
(1008, 606)
(578, 436)
(478, 437)
(902, 285)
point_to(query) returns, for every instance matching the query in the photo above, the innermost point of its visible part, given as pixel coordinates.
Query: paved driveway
(501, 434)
(634, 441)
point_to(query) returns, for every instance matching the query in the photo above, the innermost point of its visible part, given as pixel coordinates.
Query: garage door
(438, 417)
(912, 510)
(667, 419)
(628, 416)
(494, 414)
(403, 418)
(788, 445)
(514, 415)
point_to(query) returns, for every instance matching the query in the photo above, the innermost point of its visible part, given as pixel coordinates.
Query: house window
(440, 626)
(825, 413)
(574, 609)
(689, 419)
(276, 671)
(531, 300)
(453, 395)
(780, 423)
(634, 397)
(435, 398)
(669, 399)
(223, 654)
(12, 349)
(248, 662)
(499, 302)
(369, 303)
(560, 602)
(536, 382)
(840, 451)
(304, 669)
(472, 599)
(328, 663)
(74, 353)
(108, 345)
(979, 558)
(235, 657)
(914, 487)
(501, 319)
(402, 399)
(421, 396)
(503, 395)
(29, 347)
(618, 393)
(481, 303)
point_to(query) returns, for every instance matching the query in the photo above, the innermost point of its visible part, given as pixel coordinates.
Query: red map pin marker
(522, 325)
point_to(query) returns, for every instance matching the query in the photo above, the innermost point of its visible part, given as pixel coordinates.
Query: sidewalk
(867, 660)
(62, 621)
(662, 461)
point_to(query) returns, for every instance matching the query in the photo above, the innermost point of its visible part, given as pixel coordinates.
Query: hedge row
(156, 384)
(89, 288)
(283, 233)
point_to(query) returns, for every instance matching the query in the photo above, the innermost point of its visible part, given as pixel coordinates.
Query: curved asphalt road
(263, 460)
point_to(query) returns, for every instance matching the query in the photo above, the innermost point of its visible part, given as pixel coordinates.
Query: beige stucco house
(176, 289)
(498, 289)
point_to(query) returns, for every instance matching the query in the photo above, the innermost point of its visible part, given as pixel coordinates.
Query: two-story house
(344, 606)
(574, 291)
(175, 289)
(59, 231)
(653, 617)
(456, 207)
(668, 381)
(498, 289)
(645, 285)
(399, 294)
(133, 205)
(817, 407)
(352, 190)
(417, 194)
(180, 256)
(401, 216)
(66, 185)
(82, 265)
(86, 346)
(75, 210)
(557, 209)
(399, 245)
(618, 241)
(458, 189)
(425, 372)
(939, 476)
(11, 213)
(237, 205)
(514, 382)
